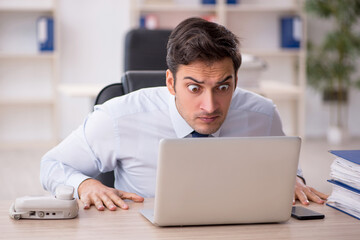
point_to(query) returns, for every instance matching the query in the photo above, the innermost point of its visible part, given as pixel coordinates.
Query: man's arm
(89, 150)
(303, 192)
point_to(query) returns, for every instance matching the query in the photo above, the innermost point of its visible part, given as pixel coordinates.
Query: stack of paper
(345, 177)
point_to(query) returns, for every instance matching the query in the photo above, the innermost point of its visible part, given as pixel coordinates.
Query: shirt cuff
(75, 180)
(302, 178)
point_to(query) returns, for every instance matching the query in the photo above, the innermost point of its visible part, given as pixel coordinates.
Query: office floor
(19, 172)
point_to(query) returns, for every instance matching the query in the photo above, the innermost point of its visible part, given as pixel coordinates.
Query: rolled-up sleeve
(85, 153)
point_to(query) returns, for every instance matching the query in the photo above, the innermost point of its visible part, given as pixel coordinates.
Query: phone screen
(305, 213)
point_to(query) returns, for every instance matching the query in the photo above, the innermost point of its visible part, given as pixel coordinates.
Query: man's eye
(223, 88)
(193, 88)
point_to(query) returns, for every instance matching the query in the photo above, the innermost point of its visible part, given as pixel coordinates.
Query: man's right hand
(93, 192)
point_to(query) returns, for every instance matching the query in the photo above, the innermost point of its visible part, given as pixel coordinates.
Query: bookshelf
(28, 77)
(257, 23)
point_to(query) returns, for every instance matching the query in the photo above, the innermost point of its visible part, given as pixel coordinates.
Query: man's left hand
(304, 193)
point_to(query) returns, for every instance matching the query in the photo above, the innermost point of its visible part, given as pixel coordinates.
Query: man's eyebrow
(225, 79)
(193, 79)
(197, 81)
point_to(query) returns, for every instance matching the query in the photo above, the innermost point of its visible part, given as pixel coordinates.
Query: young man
(123, 134)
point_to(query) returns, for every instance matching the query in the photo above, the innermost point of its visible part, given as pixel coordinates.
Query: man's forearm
(54, 173)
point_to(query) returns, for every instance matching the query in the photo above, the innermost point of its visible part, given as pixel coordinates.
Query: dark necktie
(195, 134)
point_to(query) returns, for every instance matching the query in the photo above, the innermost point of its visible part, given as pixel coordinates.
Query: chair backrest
(131, 81)
(108, 92)
(146, 49)
(134, 80)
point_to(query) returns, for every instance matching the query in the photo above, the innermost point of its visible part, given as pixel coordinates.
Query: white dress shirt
(123, 135)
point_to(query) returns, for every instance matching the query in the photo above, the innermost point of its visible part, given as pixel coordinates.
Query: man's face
(203, 93)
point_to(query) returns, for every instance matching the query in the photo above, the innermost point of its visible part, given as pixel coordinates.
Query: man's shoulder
(249, 101)
(142, 100)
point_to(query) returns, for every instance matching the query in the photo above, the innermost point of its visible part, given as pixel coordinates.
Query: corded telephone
(61, 206)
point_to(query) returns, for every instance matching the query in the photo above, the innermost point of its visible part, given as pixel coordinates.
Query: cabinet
(28, 77)
(257, 23)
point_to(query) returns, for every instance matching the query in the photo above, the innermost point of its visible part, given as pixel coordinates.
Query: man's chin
(207, 129)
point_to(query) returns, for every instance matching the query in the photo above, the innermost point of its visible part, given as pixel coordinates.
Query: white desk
(122, 224)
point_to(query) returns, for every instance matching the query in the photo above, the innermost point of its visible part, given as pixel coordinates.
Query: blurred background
(56, 55)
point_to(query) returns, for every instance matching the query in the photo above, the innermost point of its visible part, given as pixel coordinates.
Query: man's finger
(294, 199)
(118, 201)
(108, 202)
(131, 196)
(98, 203)
(313, 197)
(320, 194)
(302, 197)
(86, 201)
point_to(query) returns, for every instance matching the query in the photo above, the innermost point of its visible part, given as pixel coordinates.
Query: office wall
(91, 45)
(92, 35)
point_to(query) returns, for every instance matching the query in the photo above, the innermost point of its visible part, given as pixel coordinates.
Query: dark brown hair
(197, 39)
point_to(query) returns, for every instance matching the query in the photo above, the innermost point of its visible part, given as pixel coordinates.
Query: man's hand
(93, 192)
(304, 193)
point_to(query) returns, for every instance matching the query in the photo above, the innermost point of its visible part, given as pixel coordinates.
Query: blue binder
(351, 156)
(346, 187)
(45, 34)
(208, 1)
(290, 32)
(214, 1)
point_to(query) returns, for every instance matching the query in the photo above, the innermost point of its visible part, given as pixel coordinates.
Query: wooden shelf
(175, 8)
(27, 102)
(28, 62)
(27, 5)
(274, 52)
(40, 55)
(277, 91)
(81, 89)
(248, 8)
(27, 144)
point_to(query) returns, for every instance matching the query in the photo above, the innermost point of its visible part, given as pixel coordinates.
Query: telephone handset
(61, 206)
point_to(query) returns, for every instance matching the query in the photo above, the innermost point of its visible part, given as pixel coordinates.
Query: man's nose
(208, 102)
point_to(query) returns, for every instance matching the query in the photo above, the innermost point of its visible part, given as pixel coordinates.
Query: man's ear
(170, 82)
(236, 81)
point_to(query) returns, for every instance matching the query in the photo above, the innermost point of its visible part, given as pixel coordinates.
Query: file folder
(339, 207)
(350, 155)
(45, 34)
(346, 194)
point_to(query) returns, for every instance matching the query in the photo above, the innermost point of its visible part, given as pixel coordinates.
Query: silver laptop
(206, 181)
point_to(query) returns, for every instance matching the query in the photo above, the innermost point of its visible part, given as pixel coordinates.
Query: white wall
(92, 34)
(91, 47)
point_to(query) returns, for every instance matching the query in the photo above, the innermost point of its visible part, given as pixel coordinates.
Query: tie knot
(195, 134)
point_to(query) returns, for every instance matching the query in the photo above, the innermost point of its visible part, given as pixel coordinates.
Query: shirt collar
(181, 127)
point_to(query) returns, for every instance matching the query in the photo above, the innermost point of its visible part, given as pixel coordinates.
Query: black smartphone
(302, 213)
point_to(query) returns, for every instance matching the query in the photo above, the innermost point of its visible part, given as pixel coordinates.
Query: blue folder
(45, 33)
(346, 187)
(350, 155)
(289, 36)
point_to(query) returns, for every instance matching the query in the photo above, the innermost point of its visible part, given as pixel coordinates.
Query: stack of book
(345, 177)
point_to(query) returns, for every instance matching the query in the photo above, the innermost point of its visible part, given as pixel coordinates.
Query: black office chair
(131, 81)
(108, 92)
(146, 49)
(134, 80)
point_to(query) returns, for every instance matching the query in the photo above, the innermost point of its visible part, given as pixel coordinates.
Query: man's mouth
(208, 119)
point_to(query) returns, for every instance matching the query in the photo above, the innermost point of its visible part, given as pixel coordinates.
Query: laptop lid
(205, 181)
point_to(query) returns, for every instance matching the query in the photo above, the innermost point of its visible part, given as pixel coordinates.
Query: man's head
(203, 59)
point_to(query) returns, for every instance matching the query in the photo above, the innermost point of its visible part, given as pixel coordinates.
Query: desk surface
(121, 224)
